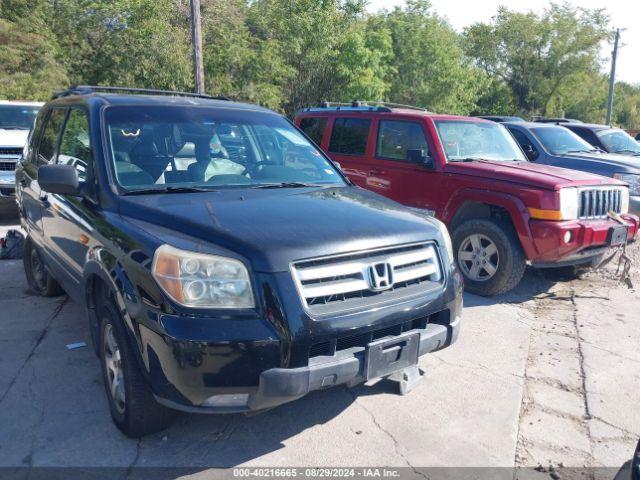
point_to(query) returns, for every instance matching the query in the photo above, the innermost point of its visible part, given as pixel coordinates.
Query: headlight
(447, 238)
(632, 179)
(569, 203)
(202, 281)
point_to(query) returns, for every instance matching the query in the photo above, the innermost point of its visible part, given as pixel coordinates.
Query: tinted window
(559, 140)
(17, 117)
(349, 136)
(520, 137)
(395, 138)
(314, 127)
(211, 148)
(51, 134)
(75, 148)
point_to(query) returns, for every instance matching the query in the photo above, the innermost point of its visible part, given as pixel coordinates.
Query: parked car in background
(558, 146)
(635, 464)
(606, 138)
(225, 264)
(638, 137)
(502, 210)
(501, 118)
(555, 120)
(16, 121)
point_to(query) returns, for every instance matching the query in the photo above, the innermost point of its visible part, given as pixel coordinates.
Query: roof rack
(87, 89)
(363, 105)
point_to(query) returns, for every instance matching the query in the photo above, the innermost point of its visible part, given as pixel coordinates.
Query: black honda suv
(225, 263)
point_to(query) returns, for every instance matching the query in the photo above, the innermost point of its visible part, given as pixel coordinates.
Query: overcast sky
(624, 14)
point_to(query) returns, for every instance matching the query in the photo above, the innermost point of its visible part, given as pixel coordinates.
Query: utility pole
(196, 40)
(612, 76)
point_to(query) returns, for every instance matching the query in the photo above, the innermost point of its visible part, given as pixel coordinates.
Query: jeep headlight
(444, 232)
(569, 203)
(202, 281)
(632, 179)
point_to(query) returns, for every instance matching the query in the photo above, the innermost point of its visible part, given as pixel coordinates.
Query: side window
(75, 148)
(49, 141)
(521, 138)
(349, 136)
(314, 128)
(396, 137)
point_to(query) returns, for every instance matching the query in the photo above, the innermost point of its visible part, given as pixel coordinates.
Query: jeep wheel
(37, 275)
(133, 408)
(489, 256)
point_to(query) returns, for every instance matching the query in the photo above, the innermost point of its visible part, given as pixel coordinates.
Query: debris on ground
(11, 245)
(73, 346)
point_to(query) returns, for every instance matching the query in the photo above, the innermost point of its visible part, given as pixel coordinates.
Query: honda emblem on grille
(380, 276)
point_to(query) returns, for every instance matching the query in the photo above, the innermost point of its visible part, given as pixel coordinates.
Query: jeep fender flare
(518, 212)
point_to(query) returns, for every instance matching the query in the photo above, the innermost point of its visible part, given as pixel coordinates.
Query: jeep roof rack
(362, 105)
(87, 89)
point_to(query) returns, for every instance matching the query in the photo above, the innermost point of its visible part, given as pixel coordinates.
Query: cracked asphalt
(548, 374)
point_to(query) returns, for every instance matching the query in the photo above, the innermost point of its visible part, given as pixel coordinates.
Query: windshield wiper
(468, 159)
(627, 150)
(592, 150)
(168, 189)
(287, 185)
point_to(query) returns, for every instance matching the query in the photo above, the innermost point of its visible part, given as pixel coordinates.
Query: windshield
(618, 141)
(181, 148)
(467, 140)
(559, 140)
(17, 117)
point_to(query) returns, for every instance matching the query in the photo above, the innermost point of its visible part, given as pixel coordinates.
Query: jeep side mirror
(60, 179)
(530, 152)
(417, 155)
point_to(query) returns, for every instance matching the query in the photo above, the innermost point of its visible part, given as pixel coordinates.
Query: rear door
(350, 144)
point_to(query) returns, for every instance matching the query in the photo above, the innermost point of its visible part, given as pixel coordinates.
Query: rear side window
(75, 148)
(349, 136)
(396, 137)
(49, 141)
(314, 128)
(520, 137)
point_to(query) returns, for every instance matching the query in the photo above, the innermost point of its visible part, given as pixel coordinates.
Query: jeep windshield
(194, 149)
(17, 117)
(618, 141)
(465, 141)
(561, 141)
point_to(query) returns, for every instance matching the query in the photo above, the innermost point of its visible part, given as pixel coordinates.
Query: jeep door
(402, 166)
(349, 142)
(68, 219)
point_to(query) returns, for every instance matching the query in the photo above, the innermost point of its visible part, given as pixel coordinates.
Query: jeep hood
(13, 138)
(273, 227)
(528, 173)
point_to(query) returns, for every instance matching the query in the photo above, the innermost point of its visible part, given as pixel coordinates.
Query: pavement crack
(396, 443)
(133, 463)
(35, 346)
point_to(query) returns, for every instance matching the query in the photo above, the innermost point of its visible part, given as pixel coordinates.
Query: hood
(273, 227)
(610, 161)
(13, 138)
(527, 173)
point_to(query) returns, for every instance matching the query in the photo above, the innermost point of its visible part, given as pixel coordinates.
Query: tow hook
(624, 262)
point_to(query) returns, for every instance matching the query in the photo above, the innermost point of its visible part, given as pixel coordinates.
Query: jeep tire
(489, 256)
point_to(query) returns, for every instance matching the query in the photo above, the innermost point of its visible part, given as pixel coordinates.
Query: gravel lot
(545, 375)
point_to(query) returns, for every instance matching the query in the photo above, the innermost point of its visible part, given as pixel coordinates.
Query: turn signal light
(540, 214)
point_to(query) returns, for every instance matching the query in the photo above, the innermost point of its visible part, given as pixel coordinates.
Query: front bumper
(586, 240)
(7, 188)
(282, 385)
(262, 362)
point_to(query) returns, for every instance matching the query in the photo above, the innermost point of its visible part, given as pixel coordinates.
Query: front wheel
(489, 256)
(133, 407)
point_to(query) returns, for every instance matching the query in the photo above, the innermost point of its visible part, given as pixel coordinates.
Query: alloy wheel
(113, 363)
(478, 257)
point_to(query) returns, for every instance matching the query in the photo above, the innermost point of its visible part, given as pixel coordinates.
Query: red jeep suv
(503, 211)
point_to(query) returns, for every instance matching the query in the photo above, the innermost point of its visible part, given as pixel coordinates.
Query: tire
(133, 407)
(39, 279)
(494, 242)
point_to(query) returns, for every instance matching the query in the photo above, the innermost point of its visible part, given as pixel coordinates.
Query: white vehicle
(16, 120)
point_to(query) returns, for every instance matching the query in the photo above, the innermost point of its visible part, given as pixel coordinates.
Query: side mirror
(417, 155)
(60, 179)
(530, 152)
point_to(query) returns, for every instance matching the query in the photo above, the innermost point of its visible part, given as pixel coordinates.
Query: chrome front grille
(7, 165)
(349, 281)
(597, 202)
(11, 151)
